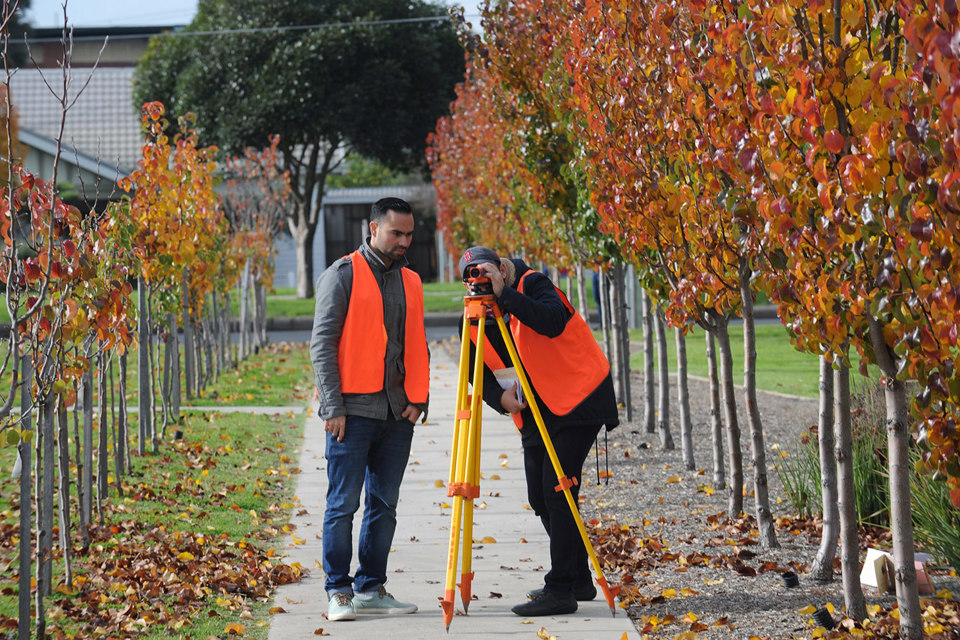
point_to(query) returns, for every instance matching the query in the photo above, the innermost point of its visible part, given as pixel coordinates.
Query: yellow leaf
(713, 583)
(669, 593)
(439, 484)
(543, 634)
(944, 594)
(807, 610)
(818, 632)
(445, 505)
(235, 629)
(297, 540)
(275, 610)
(185, 556)
(687, 592)
(830, 607)
(495, 476)
(488, 540)
(673, 479)
(690, 618)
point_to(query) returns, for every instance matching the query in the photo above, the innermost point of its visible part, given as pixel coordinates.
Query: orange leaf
(235, 629)
(833, 140)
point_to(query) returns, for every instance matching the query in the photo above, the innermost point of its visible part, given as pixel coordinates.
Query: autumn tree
(369, 77)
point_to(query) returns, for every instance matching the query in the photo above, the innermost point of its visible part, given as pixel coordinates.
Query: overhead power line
(253, 30)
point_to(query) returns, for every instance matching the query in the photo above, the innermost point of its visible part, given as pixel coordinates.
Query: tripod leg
(564, 483)
(472, 477)
(458, 453)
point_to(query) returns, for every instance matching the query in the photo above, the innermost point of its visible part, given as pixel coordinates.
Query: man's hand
(336, 426)
(492, 271)
(411, 413)
(509, 400)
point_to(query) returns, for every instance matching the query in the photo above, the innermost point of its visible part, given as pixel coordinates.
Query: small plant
(936, 520)
(799, 472)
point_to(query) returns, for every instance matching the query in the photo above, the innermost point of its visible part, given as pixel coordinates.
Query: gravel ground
(693, 568)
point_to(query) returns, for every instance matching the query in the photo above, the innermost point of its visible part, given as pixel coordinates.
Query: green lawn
(202, 518)
(780, 367)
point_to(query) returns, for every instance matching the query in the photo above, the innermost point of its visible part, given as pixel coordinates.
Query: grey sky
(123, 13)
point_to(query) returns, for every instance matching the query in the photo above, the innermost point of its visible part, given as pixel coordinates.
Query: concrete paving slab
(510, 552)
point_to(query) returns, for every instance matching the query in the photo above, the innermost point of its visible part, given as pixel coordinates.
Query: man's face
(391, 236)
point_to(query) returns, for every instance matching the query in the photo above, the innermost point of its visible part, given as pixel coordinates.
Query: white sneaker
(341, 608)
(380, 602)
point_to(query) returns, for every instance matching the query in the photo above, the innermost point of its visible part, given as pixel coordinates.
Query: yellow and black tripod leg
(564, 483)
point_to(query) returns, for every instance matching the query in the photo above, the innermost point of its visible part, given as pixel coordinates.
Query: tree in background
(369, 77)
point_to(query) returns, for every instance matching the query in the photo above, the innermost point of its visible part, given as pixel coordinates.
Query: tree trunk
(761, 490)
(728, 400)
(901, 523)
(85, 472)
(649, 407)
(716, 422)
(63, 482)
(199, 336)
(227, 334)
(208, 342)
(174, 348)
(157, 408)
(683, 399)
(846, 498)
(606, 325)
(618, 330)
(243, 291)
(188, 348)
(123, 446)
(103, 455)
(663, 392)
(226, 343)
(624, 341)
(582, 307)
(217, 339)
(45, 473)
(303, 238)
(822, 568)
(143, 368)
(26, 497)
(262, 303)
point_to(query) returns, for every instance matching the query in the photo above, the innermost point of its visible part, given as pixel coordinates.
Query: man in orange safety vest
(370, 357)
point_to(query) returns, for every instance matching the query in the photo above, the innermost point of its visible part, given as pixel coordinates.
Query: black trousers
(569, 562)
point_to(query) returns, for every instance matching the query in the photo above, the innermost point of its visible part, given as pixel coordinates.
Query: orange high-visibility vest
(363, 343)
(566, 369)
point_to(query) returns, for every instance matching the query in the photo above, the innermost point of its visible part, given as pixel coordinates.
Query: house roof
(368, 195)
(101, 124)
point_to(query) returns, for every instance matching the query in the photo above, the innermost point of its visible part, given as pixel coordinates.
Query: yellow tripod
(464, 480)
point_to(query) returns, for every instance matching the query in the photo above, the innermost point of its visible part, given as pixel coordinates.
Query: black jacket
(540, 308)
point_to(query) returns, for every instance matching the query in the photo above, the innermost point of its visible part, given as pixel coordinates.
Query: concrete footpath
(504, 569)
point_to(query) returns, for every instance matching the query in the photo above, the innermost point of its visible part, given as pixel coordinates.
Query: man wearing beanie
(571, 381)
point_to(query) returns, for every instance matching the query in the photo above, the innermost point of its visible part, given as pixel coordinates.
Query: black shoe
(583, 593)
(547, 604)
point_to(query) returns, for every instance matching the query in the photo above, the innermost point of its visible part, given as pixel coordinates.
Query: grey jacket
(333, 297)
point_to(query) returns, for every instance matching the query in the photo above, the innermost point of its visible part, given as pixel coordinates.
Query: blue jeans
(373, 453)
